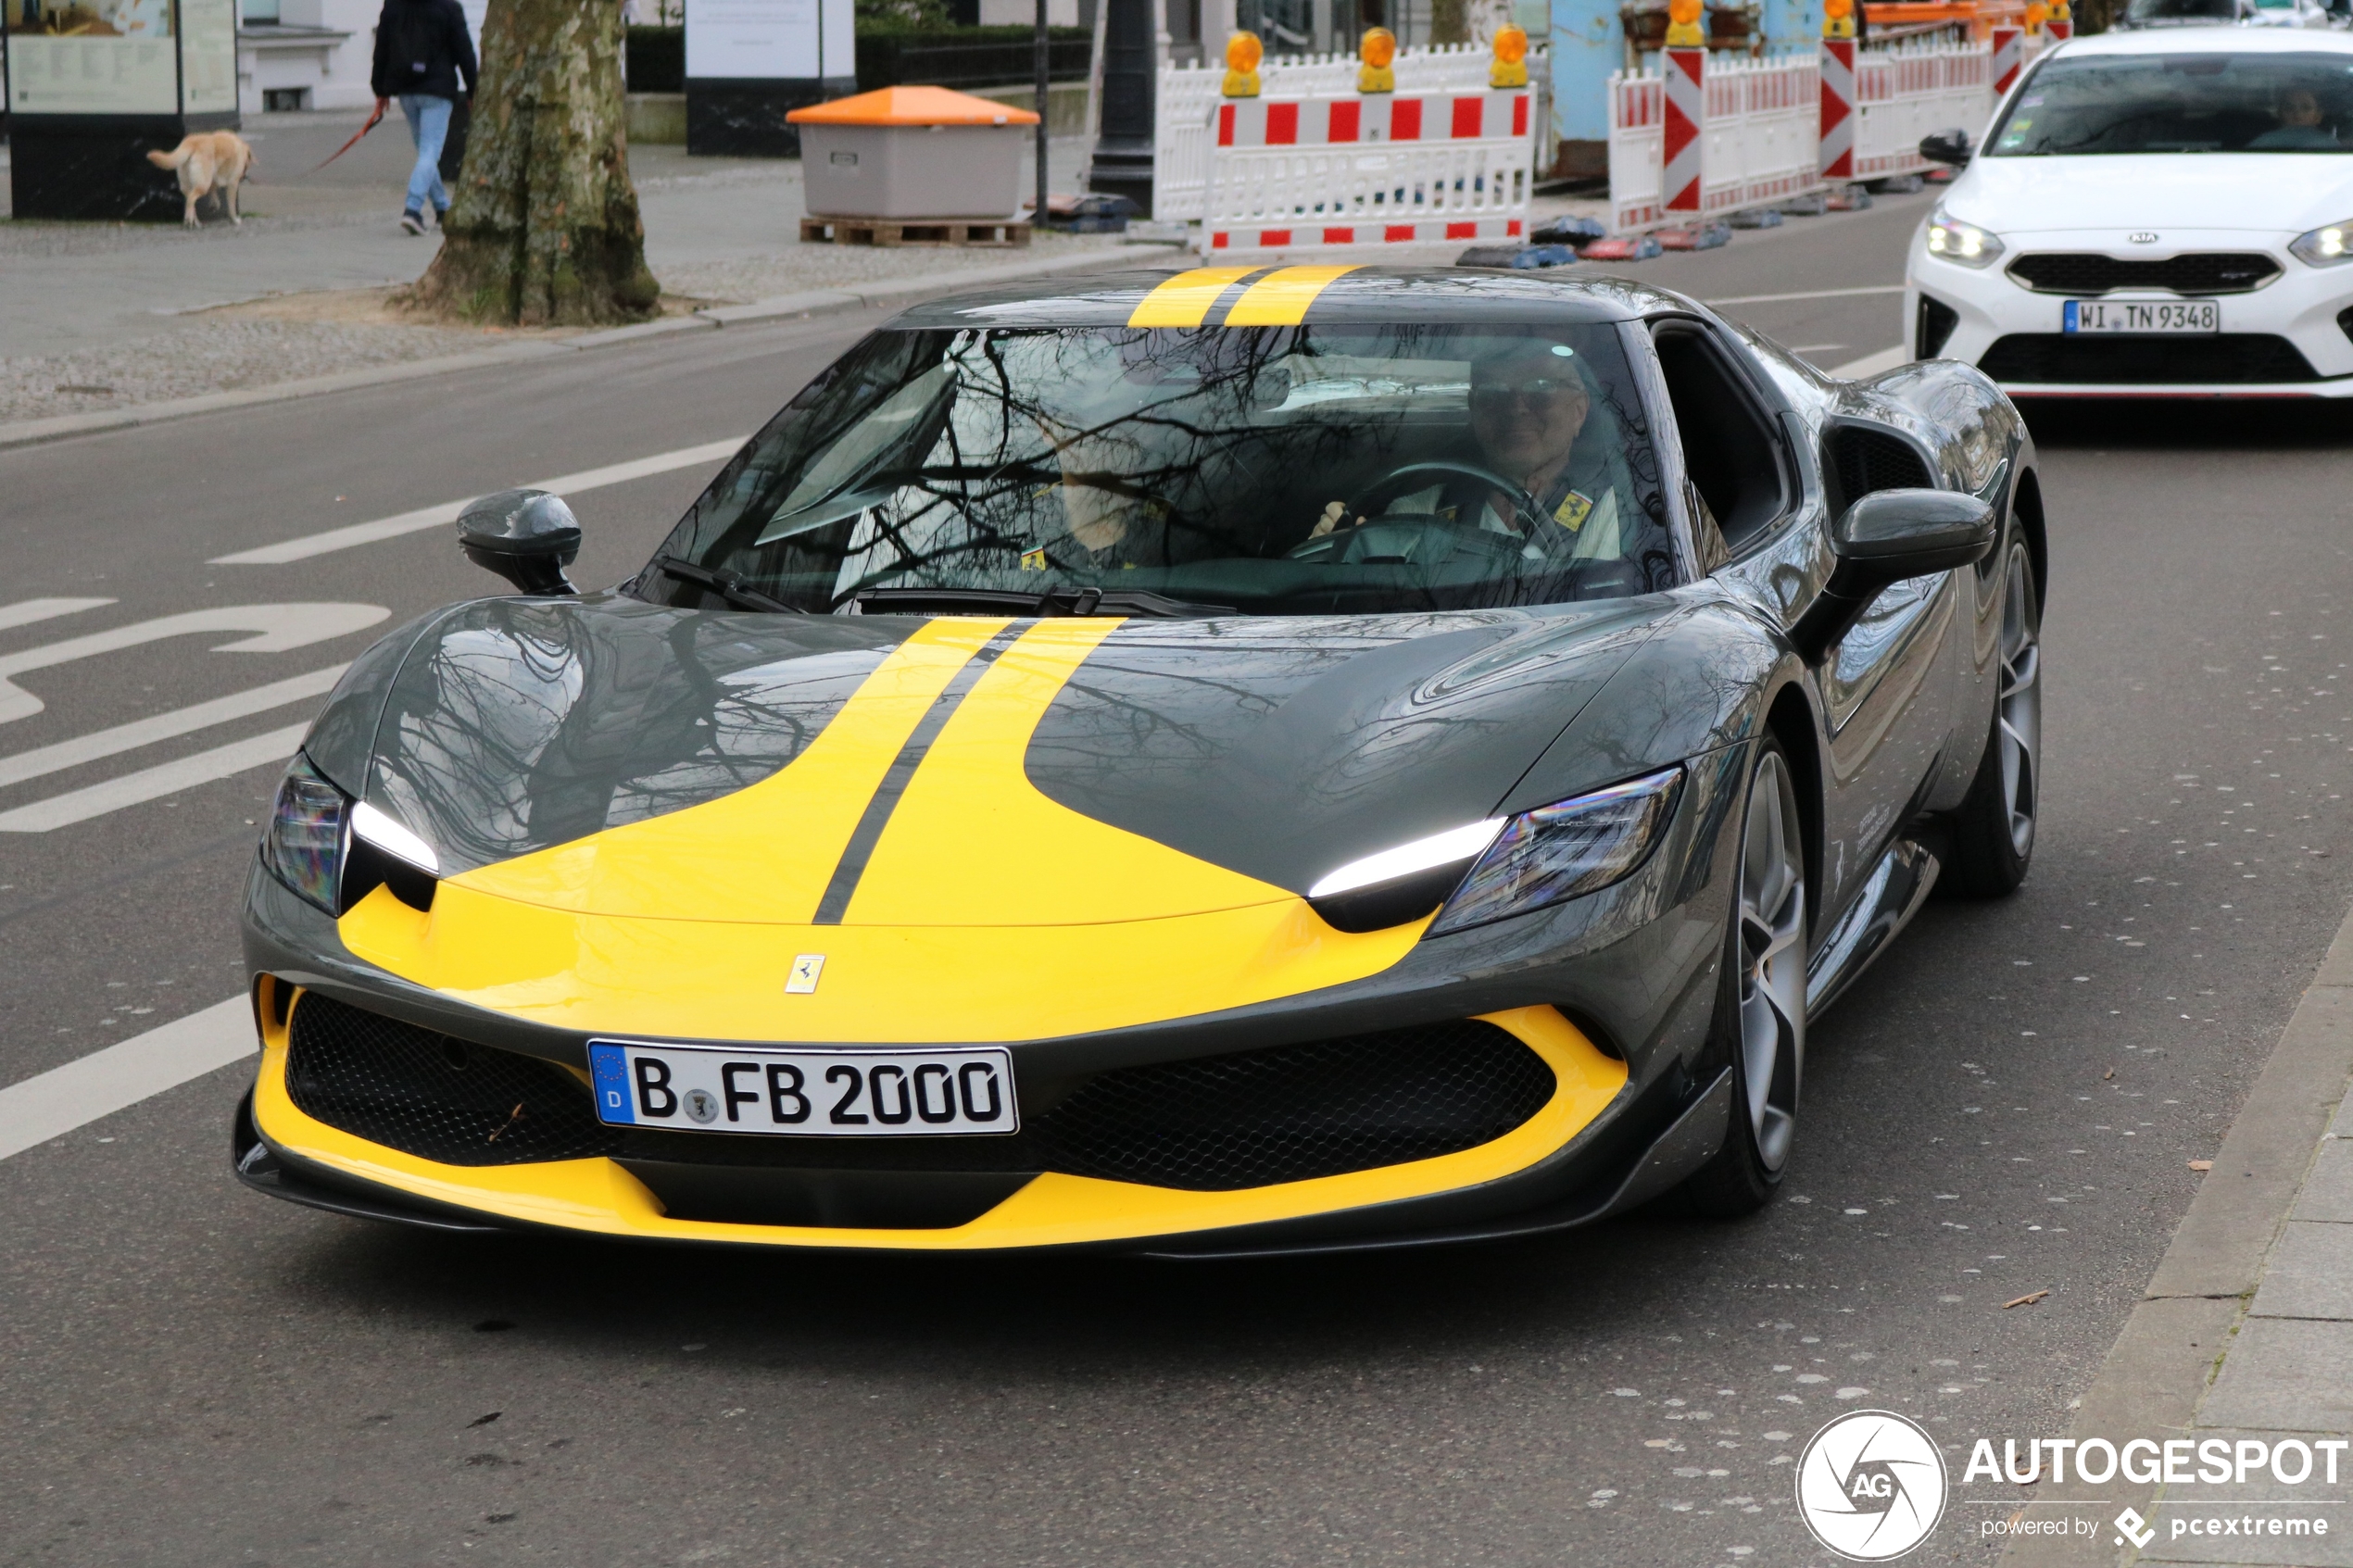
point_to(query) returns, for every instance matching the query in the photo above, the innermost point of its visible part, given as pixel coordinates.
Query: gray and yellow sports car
(1250, 760)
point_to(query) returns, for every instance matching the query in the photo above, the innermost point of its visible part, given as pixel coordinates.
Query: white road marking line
(433, 517)
(24, 613)
(1870, 364)
(52, 1104)
(1809, 293)
(276, 629)
(153, 783)
(72, 753)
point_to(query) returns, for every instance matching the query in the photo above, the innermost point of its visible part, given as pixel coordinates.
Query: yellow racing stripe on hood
(974, 843)
(765, 852)
(1281, 299)
(1184, 300)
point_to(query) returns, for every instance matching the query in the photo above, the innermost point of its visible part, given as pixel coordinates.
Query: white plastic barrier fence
(1351, 169)
(1190, 95)
(1782, 126)
(1904, 94)
(1756, 140)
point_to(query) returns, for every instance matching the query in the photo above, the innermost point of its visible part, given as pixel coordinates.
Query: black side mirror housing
(1947, 147)
(526, 537)
(1887, 537)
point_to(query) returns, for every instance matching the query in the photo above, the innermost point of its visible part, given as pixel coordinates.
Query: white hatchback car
(2167, 213)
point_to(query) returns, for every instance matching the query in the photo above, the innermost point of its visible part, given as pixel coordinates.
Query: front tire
(1760, 1013)
(1993, 835)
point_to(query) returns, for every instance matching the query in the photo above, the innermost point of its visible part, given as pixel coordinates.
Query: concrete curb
(30, 432)
(2161, 1365)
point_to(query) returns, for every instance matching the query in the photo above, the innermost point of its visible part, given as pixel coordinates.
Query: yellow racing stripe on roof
(1282, 298)
(1184, 300)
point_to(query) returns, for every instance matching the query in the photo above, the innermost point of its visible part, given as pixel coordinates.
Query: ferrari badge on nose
(806, 968)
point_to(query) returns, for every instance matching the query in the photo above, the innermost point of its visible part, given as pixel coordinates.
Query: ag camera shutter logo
(1871, 1485)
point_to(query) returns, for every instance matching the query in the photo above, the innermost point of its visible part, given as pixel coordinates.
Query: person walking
(422, 52)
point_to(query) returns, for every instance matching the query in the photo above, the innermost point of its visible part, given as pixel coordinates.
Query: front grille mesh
(2211, 273)
(431, 1095)
(1210, 1125)
(2235, 359)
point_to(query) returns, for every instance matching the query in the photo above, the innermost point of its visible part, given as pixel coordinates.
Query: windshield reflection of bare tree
(590, 732)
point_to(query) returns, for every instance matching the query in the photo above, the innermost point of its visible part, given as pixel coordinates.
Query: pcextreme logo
(1871, 1485)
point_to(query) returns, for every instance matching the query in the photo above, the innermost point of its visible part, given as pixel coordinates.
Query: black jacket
(423, 47)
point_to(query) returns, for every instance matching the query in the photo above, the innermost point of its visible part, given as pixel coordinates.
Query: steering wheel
(1420, 476)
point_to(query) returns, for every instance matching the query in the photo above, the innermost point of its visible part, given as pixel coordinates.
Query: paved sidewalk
(2244, 1334)
(107, 315)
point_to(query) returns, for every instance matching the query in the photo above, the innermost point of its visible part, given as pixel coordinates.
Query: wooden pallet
(995, 232)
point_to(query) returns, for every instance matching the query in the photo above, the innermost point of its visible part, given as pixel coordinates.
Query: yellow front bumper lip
(599, 1197)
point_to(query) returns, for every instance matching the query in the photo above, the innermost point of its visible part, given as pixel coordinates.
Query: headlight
(1563, 850)
(309, 831)
(334, 852)
(2332, 246)
(1952, 240)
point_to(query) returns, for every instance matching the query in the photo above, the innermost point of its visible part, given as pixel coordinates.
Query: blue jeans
(427, 120)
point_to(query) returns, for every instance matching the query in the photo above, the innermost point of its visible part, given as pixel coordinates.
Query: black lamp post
(1123, 154)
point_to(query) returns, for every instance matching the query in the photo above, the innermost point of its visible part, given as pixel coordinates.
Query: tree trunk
(543, 229)
(1449, 23)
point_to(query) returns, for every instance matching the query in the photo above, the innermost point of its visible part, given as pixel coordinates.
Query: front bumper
(1615, 992)
(2298, 312)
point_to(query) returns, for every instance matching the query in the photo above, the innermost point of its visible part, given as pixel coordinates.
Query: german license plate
(2142, 316)
(823, 1094)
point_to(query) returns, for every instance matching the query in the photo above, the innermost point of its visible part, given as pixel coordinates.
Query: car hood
(606, 757)
(2171, 194)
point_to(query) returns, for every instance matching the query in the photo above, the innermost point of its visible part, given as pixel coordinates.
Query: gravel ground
(219, 354)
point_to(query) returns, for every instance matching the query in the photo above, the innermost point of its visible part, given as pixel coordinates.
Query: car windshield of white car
(2191, 102)
(1273, 470)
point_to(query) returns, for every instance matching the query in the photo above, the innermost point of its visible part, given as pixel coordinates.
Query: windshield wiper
(1052, 601)
(726, 585)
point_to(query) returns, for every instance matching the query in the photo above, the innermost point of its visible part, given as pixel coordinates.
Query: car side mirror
(1887, 537)
(1946, 146)
(526, 537)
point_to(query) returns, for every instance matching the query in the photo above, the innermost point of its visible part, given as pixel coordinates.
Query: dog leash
(373, 118)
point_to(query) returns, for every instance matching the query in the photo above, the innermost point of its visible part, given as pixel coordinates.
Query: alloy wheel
(1772, 942)
(2021, 703)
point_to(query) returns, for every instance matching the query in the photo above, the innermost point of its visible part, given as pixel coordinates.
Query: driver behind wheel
(1531, 423)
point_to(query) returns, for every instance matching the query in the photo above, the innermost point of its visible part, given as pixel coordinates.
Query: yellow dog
(216, 160)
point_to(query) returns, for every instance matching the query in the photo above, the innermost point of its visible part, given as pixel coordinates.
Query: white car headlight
(2330, 247)
(1949, 239)
(310, 831)
(1564, 851)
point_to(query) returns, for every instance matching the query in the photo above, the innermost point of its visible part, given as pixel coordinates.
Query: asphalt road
(2006, 1104)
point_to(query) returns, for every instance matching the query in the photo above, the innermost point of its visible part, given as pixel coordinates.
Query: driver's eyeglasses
(1537, 389)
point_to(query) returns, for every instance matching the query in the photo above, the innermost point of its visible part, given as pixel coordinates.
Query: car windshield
(2143, 12)
(1273, 470)
(2196, 103)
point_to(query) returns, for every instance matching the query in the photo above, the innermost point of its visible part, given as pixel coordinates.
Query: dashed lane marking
(1869, 365)
(357, 533)
(276, 628)
(1809, 293)
(153, 783)
(72, 753)
(52, 1104)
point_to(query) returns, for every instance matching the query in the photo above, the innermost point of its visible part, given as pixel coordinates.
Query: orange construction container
(912, 151)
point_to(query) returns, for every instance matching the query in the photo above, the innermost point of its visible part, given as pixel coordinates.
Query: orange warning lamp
(1243, 52)
(1378, 50)
(1683, 25)
(1838, 19)
(2036, 14)
(1510, 68)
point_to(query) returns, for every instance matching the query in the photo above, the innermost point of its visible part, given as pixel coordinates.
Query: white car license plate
(2142, 316)
(826, 1094)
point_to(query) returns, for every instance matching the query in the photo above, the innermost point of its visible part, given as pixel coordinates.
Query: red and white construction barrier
(1779, 126)
(1368, 169)
(1754, 139)
(1837, 161)
(2009, 58)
